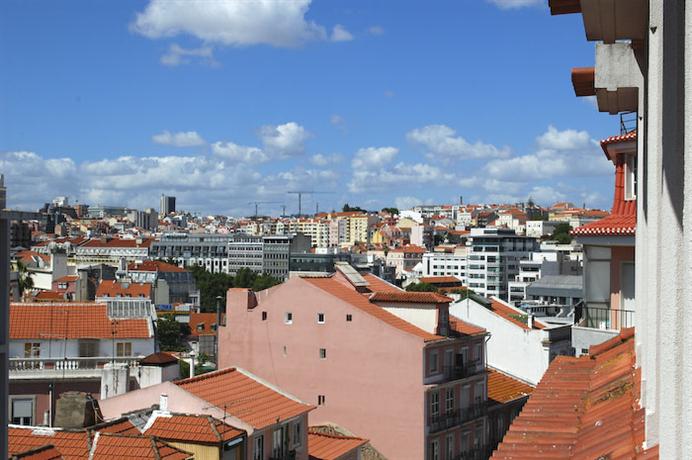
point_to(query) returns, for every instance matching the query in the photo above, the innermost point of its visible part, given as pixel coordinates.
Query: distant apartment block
(446, 264)
(167, 205)
(494, 259)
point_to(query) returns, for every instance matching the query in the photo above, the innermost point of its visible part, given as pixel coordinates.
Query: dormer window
(630, 171)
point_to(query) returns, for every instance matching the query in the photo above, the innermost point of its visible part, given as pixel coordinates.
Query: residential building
(44, 269)
(404, 259)
(73, 287)
(540, 228)
(506, 397)
(111, 251)
(147, 219)
(494, 259)
(609, 255)
(20, 235)
(167, 205)
(519, 344)
(186, 249)
(331, 446)
(203, 327)
(59, 347)
(540, 264)
(560, 290)
(446, 264)
(100, 211)
(373, 358)
(181, 284)
(316, 229)
(275, 421)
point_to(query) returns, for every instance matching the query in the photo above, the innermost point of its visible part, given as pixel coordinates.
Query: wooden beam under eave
(564, 6)
(584, 81)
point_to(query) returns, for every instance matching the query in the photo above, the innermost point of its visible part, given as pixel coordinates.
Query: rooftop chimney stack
(163, 402)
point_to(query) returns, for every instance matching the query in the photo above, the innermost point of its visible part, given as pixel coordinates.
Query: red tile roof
(586, 407)
(192, 428)
(118, 243)
(109, 446)
(153, 266)
(323, 446)
(72, 321)
(204, 319)
(440, 279)
(66, 279)
(632, 135)
(244, 397)
(462, 327)
(49, 296)
(158, 358)
(378, 284)
(118, 426)
(71, 444)
(28, 257)
(113, 288)
(613, 225)
(410, 297)
(503, 388)
(349, 295)
(409, 249)
(513, 315)
(47, 452)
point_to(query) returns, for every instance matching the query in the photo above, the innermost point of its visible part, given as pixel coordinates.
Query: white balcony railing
(37, 368)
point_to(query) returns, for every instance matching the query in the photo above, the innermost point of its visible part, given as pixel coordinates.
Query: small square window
(320, 318)
(320, 400)
(288, 319)
(323, 353)
(349, 317)
(264, 316)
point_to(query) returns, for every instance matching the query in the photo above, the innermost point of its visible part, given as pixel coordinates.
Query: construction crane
(300, 194)
(257, 203)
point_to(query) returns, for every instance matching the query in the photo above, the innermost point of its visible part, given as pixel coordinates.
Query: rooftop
(154, 266)
(410, 297)
(503, 388)
(113, 288)
(245, 396)
(513, 315)
(191, 428)
(586, 407)
(72, 321)
(322, 446)
(107, 446)
(71, 444)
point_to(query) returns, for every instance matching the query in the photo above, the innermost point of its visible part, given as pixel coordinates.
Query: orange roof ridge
(409, 297)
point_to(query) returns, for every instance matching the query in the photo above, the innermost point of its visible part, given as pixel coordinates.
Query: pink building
(374, 359)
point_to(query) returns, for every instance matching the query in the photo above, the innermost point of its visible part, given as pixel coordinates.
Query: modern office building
(167, 205)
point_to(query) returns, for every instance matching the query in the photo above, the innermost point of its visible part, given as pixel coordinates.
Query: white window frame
(434, 404)
(449, 401)
(630, 179)
(323, 318)
(258, 453)
(434, 450)
(449, 444)
(288, 318)
(32, 402)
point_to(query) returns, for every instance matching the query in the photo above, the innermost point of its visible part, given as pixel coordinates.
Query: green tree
(348, 208)
(421, 287)
(169, 332)
(561, 233)
(393, 211)
(211, 285)
(25, 281)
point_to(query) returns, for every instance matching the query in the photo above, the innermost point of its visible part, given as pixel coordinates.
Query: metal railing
(603, 318)
(477, 453)
(456, 417)
(455, 372)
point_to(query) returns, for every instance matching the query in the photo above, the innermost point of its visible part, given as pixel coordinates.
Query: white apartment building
(540, 228)
(494, 259)
(446, 264)
(316, 229)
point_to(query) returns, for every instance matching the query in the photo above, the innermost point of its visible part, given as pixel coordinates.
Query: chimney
(529, 321)
(163, 402)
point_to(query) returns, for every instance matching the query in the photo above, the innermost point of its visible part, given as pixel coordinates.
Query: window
(434, 403)
(320, 400)
(123, 349)
(349, 317)
(435, 450)
(478, 353)
(88, 348)
(296, 434)
(449, 400)
(288, 319)
(630, 177)
(450, 446)
(320, 318)
(264, 316)
(32, 349)
(259, 448)
(479, 392)
(23, 411)
(323, 353)
(432, 362)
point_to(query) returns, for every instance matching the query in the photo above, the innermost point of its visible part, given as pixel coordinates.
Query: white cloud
(399, 176)
(320, 159)
(406, 202)
(230, 22)
(546, 194)
(442, 143)
(340, 34)
(179, 139)
(567, 153)
(513, 4)
(373, 157)
(284, 140)
(239, 152)
(337, 120)
(177, 55)
(375, 30)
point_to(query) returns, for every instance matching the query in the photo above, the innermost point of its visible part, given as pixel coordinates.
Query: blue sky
(224, 102)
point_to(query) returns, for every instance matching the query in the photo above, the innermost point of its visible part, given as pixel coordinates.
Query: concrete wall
(372, 376)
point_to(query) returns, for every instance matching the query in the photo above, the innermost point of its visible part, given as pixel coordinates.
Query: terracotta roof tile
(109, 446)
(47, 452)
(440, 280)
(67, 279)
(71, 444)
(378, 284)
(117, 243)
(244, 397)
(153, 266)
(49, 295)
(410, 297)
(613, 225)
(503, 388)
(158, 358)
(463, 327)
(113, 288)
(323, 446)
(586, 407)
(349, 295)
(409, 249)
(118, 426)
(205, 320)
(192, 428)
(72, 321)
(28, 257)
(512, 314)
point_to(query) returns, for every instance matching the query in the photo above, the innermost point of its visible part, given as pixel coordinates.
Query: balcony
(49, 368)
(603, 318)
(290, 455)
(477, 453)
(461, 371)
(457, 417)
